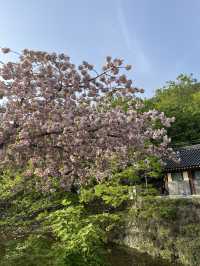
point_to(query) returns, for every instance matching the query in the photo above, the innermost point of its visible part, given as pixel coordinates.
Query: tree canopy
(58, 123)
(180, 99)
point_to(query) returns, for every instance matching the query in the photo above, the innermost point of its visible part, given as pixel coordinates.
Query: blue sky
(160, 38)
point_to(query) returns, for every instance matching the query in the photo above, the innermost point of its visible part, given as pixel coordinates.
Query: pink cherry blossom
(59, 120)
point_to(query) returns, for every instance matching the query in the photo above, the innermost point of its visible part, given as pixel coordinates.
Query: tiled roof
(189, 158)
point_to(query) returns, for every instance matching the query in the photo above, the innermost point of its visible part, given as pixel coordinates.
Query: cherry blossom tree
(58, 123)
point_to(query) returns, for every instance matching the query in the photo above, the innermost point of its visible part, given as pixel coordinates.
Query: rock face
(164, 227)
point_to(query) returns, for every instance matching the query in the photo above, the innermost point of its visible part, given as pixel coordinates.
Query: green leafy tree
(180, 99)
(57, 228)
(64, 228)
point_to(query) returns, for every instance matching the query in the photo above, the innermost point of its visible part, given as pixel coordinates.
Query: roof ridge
(191, 147)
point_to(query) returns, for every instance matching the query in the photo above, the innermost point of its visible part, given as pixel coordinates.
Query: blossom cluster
(58, 119)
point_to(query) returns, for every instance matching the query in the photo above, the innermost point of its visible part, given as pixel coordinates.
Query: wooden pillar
(192, 185)
(166, 188)
(169, 177)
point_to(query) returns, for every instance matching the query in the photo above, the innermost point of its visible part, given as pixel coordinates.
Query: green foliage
(165, 210)
(130, 174)
(113, 195)
(58, 228)
(83, 236)
(35, 250)
(61, 228)
(8, 181)
(81, 239)
(180, 99)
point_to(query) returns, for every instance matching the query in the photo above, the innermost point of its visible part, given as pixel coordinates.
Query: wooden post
(192, 185)
(169, 177)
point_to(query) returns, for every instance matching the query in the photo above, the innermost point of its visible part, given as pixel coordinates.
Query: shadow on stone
(124, 256)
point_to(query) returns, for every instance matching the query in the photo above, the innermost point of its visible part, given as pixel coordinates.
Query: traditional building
(183, 177)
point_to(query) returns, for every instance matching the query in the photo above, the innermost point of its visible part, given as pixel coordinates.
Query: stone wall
(165, 227)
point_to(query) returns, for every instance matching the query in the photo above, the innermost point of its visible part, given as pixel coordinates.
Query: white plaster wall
(185, 175)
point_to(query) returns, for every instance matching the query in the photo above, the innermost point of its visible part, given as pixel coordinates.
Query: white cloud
(132, 42)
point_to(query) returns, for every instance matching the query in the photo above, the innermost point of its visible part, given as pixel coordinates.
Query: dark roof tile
(189, 158)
